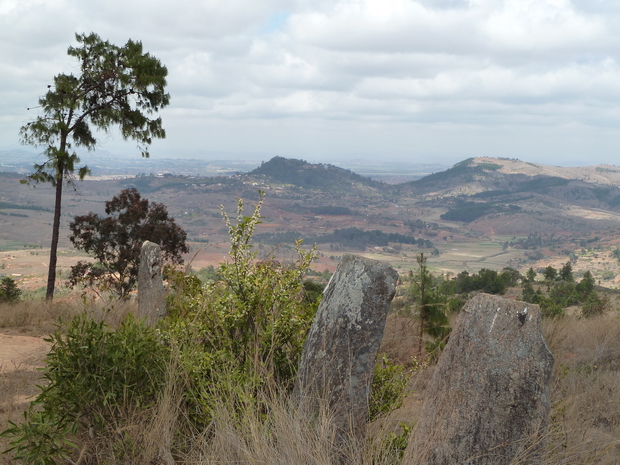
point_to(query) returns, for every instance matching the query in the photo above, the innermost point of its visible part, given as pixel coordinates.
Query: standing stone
(488, 399)
(151, 292)
(339, 354)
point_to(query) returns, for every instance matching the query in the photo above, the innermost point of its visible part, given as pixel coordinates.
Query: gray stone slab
(339, 354)
(151, 291)
(488, 399)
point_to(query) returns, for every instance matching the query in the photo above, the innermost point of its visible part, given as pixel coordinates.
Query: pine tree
(115, 86)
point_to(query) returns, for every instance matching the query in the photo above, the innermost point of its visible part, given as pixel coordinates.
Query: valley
(481, 213)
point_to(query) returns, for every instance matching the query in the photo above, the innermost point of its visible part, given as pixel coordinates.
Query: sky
(415, 81)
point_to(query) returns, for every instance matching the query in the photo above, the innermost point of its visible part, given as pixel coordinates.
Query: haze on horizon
(421, 81)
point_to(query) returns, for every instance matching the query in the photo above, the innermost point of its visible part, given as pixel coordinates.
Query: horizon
(250, 158)
(404, 80)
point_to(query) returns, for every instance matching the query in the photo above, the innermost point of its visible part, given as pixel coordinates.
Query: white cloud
(451, 77)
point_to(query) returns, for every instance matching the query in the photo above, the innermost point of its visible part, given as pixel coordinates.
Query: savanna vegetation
(211, 383)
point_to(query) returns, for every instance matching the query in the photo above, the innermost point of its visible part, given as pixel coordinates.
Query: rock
(339, 354)
(151, 292)
(488, 399)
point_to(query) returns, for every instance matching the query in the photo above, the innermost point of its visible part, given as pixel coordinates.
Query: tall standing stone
(151, 292)
(488, 399)
(339, 354)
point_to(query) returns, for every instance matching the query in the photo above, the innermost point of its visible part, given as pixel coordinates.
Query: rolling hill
(482, 212)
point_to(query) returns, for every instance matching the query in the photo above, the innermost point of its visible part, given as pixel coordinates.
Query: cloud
(367, 73)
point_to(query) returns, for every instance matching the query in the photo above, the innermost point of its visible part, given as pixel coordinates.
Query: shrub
(9, 292)
(595, 305)
(239, 333)
(95, 378)
(388, 388)
(116, 241)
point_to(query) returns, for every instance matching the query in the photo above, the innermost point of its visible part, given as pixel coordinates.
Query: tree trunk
(51, 272)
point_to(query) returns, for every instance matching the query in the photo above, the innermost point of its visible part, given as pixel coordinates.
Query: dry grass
(584, 422)
(39, 318)
(34, 318)
(585, 412)
(16, 389)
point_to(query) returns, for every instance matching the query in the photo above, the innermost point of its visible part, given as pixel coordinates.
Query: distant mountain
(477, 175)
(478, 187)
(313, 176)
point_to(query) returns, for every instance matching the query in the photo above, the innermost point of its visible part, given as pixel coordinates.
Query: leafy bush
(239, 333)
(388, 388)
(95, 378)
(231, 344)
(393, 445)
(595, 305)
(116, 240)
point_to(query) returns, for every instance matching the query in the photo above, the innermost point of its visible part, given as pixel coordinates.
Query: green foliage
(528, 293)
(564, 293)
(470, 211)
(586, 285)
(550, 273)
(116, 240)
(95, 378)
(9, 292)
(244, 330)
(388, 387)
(115, 86)
(349, 237)
(489, 281)
(566, 273)
(550, 308)
(393, 445)
(313, 292)
(207, 274)
(530, 275)
(431, 300)
(594, 305)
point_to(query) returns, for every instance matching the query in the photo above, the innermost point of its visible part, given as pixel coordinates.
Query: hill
(482, 187)
(481, 213)
(320, 176)
(487, 177)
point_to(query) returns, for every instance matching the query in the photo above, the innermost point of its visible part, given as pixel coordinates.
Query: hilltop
(314, 175)
(482, 174)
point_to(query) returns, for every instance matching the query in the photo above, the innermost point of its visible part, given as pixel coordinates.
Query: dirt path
(21, 352)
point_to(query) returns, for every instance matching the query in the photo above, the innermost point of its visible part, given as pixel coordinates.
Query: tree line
(354, 238)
